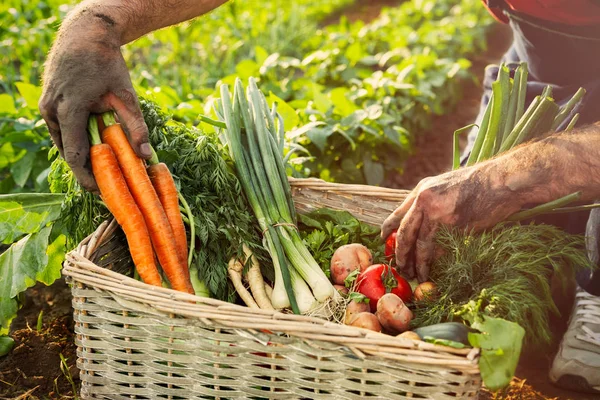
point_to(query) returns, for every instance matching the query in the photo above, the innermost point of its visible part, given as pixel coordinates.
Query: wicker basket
(136, 341)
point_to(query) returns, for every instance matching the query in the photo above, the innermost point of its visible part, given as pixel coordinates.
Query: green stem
(546, 207)
(563, 210)
(566, 110)
(154, 159)
(481, 134)
(93, 130)
(512, 107)
(109, 118)
(538, 117)
(547, 92)
(522, 92)
(190, 217)
(572, 123)
(284, 267)
(504, 79)
(212, 122)
(487, 149)
(456, 152)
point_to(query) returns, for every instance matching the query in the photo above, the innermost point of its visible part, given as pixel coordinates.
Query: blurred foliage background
(354, 95)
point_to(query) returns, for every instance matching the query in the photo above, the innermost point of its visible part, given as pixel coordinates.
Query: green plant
(64, 367)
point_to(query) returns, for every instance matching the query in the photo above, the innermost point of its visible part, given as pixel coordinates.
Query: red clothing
(568, 12)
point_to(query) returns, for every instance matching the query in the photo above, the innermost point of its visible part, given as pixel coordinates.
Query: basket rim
(361, 342)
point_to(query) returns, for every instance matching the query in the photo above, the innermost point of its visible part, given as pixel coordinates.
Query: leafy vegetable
(325, 230)
(500, 342)
(508, 268)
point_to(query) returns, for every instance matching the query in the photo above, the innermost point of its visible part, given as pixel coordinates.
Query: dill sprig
(510, 268)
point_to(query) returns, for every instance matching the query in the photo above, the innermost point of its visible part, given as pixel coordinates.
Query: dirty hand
(85, 73)
(469, 197)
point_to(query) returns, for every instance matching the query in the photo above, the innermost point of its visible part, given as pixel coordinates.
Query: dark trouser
(566, 61)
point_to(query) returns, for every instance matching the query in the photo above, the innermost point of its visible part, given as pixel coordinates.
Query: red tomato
(380, 279)
(390, 246)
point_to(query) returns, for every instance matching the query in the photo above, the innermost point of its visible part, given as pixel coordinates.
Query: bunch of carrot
(145, 203)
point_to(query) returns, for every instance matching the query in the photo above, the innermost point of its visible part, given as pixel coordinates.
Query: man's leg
(577, 362)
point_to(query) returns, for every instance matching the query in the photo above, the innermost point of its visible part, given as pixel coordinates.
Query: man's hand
(85, 72)
(480, 196)
(461, 198)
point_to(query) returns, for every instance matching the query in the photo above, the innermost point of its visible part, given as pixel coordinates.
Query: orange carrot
(173, 262)
(118, 199)
(163, 183)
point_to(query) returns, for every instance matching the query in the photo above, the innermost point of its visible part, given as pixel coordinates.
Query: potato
(393, 314)
(366, 320)
(426, 291)
(410, 335)
(348, 258)
(341, 288)
(353, 308)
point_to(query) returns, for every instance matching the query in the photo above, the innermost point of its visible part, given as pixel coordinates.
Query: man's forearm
(552, 167)
(127, 20)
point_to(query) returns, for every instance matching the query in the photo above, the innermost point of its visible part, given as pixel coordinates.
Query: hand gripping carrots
(170, 252)
(121, 204)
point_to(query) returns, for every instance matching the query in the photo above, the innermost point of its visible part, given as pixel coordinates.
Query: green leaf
(22, 168)
(351, 278)
(500, 342)
(260, 54)
(24, 263)
(321, 101)
(357, 297)
(342, 106)
(30, 93)
(319, 136)
(6, 345)
(374, 171)
(26, 213)
(7, 104)
(354, 52)
(290, 118)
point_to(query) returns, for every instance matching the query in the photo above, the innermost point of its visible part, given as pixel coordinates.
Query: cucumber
(455, 331)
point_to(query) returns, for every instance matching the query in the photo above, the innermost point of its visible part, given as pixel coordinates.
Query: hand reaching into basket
(480, 196)
(464, 197)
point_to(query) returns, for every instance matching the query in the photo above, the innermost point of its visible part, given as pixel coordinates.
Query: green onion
(567, 108)
(514, 134)
(573, 122)
(505, 88)
(541, 209)
(541, 117)
(456, 151)
(481, 134)
(487, 150)
(512, 107)
(255, 136)
(522, 93)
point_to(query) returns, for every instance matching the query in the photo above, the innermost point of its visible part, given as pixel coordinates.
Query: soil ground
(34, 370)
